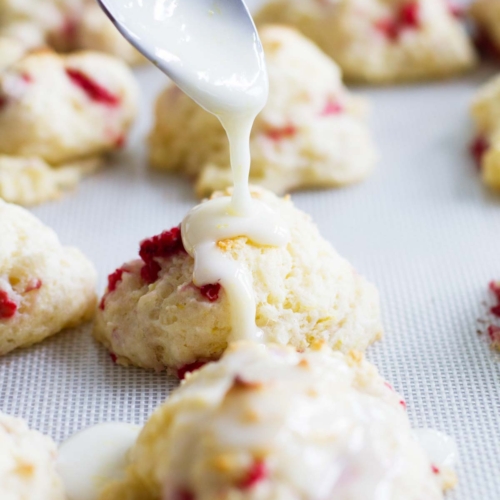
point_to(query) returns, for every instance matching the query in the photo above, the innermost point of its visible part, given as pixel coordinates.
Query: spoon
(209, 48)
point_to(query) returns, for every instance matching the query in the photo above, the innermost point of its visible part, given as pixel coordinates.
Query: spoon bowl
(209, 48)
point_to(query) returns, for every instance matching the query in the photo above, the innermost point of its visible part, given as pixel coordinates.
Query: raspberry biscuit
(486, 14)
(59, 115)
(271, 423)
(153, 316)
(96, 32)
(486, 146)
(312, 132)
(27, 463)
(44, 287)
(381, 41)
(64, 25)
(10, 51)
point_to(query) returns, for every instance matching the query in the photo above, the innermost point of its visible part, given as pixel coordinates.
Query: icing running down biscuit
(44, 287)
(271, 423)
(94, 97)
(27, 463)
(311, 133)
(486, 146)
(153, 316)
(381, 41)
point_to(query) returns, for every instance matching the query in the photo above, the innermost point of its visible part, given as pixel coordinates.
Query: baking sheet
(422, 228)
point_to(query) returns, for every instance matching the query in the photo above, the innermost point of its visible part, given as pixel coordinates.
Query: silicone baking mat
(422, 228)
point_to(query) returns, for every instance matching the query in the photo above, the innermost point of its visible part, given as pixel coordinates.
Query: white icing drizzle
(91, 458)
(214, 221)
(439, 447)
(225, 218)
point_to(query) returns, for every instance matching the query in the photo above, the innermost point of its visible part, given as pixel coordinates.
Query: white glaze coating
(266, 422)
(439, 447)
(85, 472)
(213, 221)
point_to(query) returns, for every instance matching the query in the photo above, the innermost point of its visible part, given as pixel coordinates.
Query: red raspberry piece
(113, 280)
(332, 108)
(403, 404)
(495, 310)
(94, 91)
(485, 45)
(389, 28)
(277, 134)
(435, 470)
(162, 246)
(33, 284)
(191, 367)
(257, 473)
(113, 357)
(69, 29)
(26, 78)
(455, 10)
(495, 288)
(494, 334)
(211, 292)
(409, 15)
(8, 308)
(121, 141)
(184, 495)
(478, 149)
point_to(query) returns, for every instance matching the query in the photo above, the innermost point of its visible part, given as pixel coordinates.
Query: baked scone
(381, 41)
(96, 32)
(311, 133)
(154, 317)
(44, 287)
(35, 22)
(65, 25)
(29, 180)
(10, 51)
(27, 463)
(271, 423)
(486, 15)
(60, 112)
(486, 146)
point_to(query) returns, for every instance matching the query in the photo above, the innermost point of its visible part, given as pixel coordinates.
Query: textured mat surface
(422, 228)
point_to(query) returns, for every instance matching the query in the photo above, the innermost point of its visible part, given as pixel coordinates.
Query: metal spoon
(209, 48)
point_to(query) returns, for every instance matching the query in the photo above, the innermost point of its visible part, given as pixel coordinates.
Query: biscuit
(486, 146)
(58, 115)
(44, 287)
(486, 15)
(381, 41)
(65, 25)
(311, 133)
(27, 463)
(271, 423)
(153, 316)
